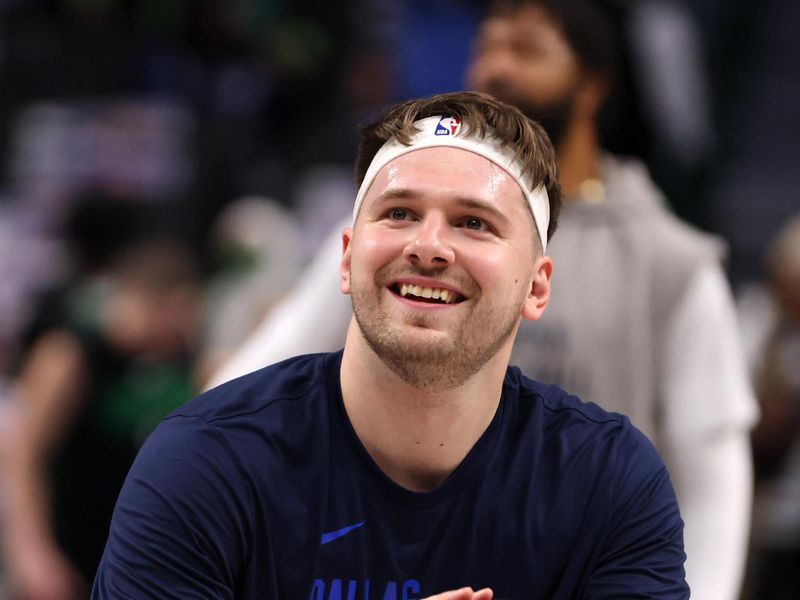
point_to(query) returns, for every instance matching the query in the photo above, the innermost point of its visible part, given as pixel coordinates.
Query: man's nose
(430, 244)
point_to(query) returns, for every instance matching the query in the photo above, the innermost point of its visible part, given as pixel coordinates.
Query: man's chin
(423, 364)
(421, 340)
(411, 344)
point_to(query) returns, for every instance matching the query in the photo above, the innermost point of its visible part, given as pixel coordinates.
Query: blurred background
(167, 169)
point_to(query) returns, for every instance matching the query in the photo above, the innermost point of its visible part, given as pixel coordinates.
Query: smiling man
(415, 460)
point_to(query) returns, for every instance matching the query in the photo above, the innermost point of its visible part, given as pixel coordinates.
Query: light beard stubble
(440, 366)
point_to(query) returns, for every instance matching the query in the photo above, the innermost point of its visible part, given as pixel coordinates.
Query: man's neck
(416, 436)
(578, 159)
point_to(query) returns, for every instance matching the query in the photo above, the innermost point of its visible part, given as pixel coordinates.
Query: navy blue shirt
(260, 489)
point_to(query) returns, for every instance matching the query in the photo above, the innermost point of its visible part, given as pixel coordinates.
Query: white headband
(447, 131)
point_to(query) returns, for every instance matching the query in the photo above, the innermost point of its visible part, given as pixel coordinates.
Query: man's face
(522, 58)
(441, 265)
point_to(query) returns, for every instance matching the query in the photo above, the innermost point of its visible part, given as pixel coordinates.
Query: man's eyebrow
(482, 205)
(397, 194)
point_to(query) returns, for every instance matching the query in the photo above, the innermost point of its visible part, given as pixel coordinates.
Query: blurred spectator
(771, 315)
(59, 151)
(113, 356)
(29, 262)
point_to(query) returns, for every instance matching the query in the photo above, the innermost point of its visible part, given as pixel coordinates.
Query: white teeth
(425, 292)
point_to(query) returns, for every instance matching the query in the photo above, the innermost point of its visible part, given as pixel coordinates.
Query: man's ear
(344, 266)
(539, 294)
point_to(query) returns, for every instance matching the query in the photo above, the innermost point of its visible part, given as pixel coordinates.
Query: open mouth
(430, 295)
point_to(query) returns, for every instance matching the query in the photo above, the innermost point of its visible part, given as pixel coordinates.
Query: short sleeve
(179, 529)
(643, 555)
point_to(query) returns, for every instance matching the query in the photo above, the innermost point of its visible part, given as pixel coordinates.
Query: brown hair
(483, 114)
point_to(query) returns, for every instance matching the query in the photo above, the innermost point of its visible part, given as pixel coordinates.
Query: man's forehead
(446, 168)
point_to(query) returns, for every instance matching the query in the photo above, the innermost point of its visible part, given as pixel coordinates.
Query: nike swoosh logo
(335, 535)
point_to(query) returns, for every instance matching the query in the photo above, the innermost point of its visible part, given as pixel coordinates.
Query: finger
(484, 594)
(460, 594)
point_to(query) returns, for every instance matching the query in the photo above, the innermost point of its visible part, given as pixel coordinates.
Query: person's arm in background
(48, 395)
(709, 409)
(312, 317)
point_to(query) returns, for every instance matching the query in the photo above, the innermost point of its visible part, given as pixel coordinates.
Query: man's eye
(398, 214)
(474, 223)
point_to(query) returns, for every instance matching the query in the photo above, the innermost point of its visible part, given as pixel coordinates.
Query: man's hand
(464, 594)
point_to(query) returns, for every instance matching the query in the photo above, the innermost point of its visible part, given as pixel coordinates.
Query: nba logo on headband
(447, 126)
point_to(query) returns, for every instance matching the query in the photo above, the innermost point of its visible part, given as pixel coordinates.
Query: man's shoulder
(555, 402)
(567, 424)
(290, 383)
